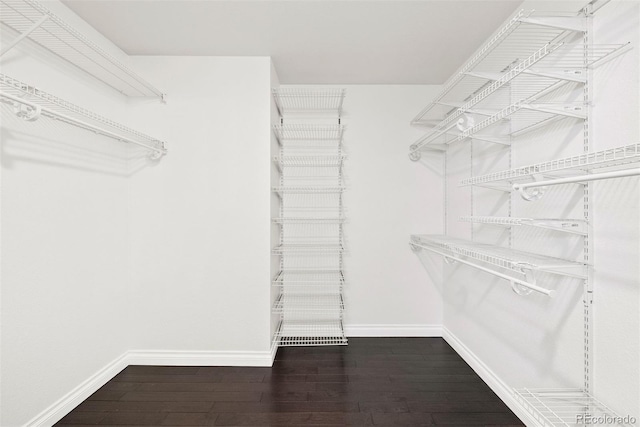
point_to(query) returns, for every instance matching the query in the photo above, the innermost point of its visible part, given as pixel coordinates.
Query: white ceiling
(310, 41)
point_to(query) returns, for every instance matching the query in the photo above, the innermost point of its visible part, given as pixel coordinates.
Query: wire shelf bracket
(31, 20)
(31, 103)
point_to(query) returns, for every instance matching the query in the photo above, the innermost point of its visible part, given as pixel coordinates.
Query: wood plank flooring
(373, 381)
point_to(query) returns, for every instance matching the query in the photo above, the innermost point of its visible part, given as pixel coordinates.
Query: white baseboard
(391, 330)
(66, 403)
(496, 384)
(199, 358)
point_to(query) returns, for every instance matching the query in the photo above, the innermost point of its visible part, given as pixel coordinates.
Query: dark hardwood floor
(373, 381)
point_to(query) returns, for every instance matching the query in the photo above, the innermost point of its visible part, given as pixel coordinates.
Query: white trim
(68, 402)
(496, 384)
(199, 358)
(392, 330)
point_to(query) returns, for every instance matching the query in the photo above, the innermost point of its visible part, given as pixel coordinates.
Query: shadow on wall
(432, 160)
(53, 143)
(481, 297)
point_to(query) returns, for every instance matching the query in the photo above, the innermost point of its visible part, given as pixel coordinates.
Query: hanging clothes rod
(513, 280)
(39, 110)
(536, 194)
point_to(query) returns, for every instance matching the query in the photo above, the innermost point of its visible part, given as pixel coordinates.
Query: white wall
(389, 197)
(535, 341)
(617, 217)
(200, 219)
(65, 303)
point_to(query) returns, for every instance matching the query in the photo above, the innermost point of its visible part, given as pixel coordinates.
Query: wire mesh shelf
(514, 260)
(310, 220)
(515, 39)
(308, 190)
(567, 407)
(297, 333)
(30, 103)
(530, 35)
(335, 161)
(309, 100)
(598, 159)
(542, 40)
(307, 303)
(32, 20)
(574, 226)
(309, 277)
(309, 133)
(308, 248)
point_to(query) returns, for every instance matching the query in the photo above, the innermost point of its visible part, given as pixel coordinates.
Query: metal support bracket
(23, 35)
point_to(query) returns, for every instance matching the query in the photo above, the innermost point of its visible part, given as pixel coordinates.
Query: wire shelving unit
(534, 71)
(309, 301)
(566, 407)
(309, 100)
(30, 103)
(31, 20)
(574, 226)
(550, 59)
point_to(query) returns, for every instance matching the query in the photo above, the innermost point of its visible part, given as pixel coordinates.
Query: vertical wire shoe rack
(309, 286)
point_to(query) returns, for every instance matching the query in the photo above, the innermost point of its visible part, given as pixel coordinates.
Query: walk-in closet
(319, 212)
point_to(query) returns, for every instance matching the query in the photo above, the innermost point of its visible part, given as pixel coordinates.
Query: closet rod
(522, 187)
(62, 117)
(547, 292)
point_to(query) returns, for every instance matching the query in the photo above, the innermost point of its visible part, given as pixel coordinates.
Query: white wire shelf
(526, 114)
(335, 161)
(310, 220)
(30, 103)
(308, 190)
(515, 39)
(547, 58)
(573, 226)
(291, 303)
(32, 20)
(510, 259)
(598, 159)
(309, 133)
(297, 333)
(308, 248)
(309, 277)
(566, 407)
(523, 36)
(309, 100)
(525, 263)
